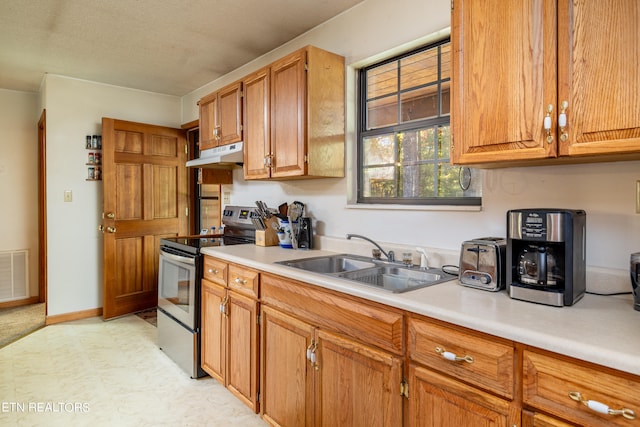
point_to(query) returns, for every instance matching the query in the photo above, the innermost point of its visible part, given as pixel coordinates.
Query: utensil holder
(268, 236)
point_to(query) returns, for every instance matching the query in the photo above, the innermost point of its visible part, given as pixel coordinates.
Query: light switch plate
(68, 196)
(226, 197)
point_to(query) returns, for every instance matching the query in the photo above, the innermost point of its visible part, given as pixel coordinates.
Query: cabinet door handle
(452, 356)
(309, 350)
(562, 121)
(601, 407)
(239, 281)
(547, 124)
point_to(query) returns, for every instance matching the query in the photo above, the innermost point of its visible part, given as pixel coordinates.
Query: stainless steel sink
(330, 264)
(398, 279)
(376, 273)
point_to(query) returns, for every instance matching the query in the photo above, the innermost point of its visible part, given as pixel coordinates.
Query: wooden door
(287, 376)
(256, 125)
(213, 333)
(242, 349)
(288, 115)
(439, 401)
(144, 199)
(357, 385)
(209, 122)
(504, 77)
(599, 76)
(230, 118)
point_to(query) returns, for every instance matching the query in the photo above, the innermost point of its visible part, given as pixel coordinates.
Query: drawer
(549, 381)
(244, 280)
(215, 270)
(488, 363)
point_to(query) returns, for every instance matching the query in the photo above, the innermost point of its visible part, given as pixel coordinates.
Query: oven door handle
(178, 258)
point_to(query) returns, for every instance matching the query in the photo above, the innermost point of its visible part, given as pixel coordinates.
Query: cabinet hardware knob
(110, 215)
(239, 281)
(452, 356)
(601, 407)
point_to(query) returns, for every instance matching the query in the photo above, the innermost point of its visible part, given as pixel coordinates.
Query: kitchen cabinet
(514, 63)
(317, 369)
(563, 387)
(229, 328)
(221, 117)
(294, 111)
(459, 377)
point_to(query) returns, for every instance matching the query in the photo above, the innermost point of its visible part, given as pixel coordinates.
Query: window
(404, 135)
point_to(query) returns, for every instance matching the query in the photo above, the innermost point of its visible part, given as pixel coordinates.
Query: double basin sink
(379, 274)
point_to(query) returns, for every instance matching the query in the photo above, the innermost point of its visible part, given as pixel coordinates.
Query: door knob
(111, 229)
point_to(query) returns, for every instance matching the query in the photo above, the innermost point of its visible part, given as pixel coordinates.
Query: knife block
(268, 236)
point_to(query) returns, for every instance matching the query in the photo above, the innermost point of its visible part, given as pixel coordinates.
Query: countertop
(597, 329)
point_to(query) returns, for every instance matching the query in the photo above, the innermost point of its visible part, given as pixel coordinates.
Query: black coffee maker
(635, 279)
(546, 255)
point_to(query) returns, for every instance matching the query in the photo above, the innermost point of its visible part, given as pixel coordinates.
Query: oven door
(177, 280)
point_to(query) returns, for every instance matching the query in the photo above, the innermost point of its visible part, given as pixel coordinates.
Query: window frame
(362, 133)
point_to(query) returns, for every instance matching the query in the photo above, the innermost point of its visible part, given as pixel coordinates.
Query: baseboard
(20, 302)
(76, 315)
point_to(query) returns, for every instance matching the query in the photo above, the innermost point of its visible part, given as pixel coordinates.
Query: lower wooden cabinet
(436, 400)
(533, 419)
(316, 377)
(230, 339)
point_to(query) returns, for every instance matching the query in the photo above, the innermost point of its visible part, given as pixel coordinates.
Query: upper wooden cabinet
(294, 115)
(515, 61)
(221, 117)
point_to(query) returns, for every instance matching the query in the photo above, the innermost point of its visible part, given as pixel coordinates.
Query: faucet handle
(376, 253)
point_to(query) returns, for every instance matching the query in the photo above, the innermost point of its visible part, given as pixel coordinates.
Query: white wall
(75, 109)
(605, 191)
(18, 177)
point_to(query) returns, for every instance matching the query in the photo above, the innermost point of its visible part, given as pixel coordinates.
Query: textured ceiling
(165, 46)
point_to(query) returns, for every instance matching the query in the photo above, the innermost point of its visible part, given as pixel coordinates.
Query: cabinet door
(208, 122)
(213, 334)
(256, 125)
(504, 76)
(288, 115)
(287, 377)
(242, 345)
(599, 76)
(230, 110)
(357, 385)
(439, 401)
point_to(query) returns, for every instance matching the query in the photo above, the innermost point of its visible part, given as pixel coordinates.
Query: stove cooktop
(193, 244)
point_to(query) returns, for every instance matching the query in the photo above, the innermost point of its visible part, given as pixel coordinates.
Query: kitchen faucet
(390, 255)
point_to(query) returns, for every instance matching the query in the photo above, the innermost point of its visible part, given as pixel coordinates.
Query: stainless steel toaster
(482, 263)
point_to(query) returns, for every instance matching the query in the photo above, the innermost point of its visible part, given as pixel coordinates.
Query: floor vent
(13, 275)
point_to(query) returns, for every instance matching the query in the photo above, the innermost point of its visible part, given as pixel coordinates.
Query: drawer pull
(452, 356)
(212, 271)
(601, 407)
(239, 281)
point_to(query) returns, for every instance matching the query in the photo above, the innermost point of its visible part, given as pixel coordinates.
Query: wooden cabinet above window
(514, 63)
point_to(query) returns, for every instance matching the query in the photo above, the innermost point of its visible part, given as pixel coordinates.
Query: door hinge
(404, 388)
(306, 66)
(258, 397)
(258, 319)
(306, 158)
(186, 149)
(186, 211)
(451, 4)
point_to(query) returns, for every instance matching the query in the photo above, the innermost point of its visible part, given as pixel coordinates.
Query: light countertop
(597, 329)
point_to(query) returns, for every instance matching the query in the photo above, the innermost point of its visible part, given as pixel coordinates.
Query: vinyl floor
(95, 373)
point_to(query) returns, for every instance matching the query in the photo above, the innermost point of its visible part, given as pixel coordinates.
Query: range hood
(225, 155)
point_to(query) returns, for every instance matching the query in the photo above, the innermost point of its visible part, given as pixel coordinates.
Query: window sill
(436, 208)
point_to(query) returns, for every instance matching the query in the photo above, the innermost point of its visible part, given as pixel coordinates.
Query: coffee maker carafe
(546, 255)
